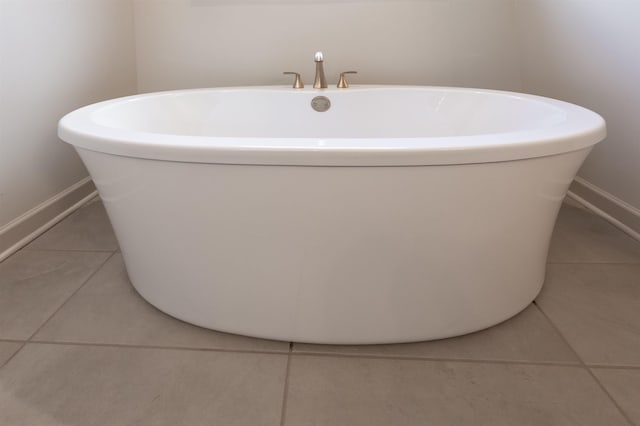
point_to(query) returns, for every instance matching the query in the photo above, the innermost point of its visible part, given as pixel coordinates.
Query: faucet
(321, 81)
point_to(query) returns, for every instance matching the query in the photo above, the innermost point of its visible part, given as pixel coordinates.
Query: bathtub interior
(382, 112)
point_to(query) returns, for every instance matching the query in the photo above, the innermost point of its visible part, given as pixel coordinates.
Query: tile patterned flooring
(79, 347)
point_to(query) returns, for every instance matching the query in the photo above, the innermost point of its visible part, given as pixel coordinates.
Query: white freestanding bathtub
(399, 214)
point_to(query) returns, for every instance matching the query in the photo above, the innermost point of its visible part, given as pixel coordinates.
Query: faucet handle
(342, 82)
(298, 83)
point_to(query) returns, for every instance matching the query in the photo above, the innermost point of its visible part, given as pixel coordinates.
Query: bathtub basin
(400, 214)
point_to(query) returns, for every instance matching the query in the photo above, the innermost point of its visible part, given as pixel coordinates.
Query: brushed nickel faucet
(297, 84)
(342, 81)
(321, 81)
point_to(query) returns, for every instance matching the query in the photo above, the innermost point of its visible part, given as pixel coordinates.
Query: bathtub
(399, 214)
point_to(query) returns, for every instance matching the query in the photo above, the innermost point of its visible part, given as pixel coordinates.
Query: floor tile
(86, 229)
(93, 386)
(109, 310)
(33, 284)
(7, 349)
(596, 309)
(624, 387)
(355, 391)
(526, 337)
(581, 236)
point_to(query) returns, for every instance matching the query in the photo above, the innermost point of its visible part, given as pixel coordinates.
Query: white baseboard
(26, 228)
(619, 213)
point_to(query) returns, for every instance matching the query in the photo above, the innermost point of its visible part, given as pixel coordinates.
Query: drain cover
(320, 103)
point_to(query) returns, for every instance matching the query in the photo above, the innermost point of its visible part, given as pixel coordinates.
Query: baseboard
(621, 214)
(26, 228)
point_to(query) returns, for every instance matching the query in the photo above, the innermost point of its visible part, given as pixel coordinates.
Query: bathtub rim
(583, 128)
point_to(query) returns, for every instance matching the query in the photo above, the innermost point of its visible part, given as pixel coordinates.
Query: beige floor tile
(355, 391)
(92, 386)
(581, 236)
(596, 309)
(6, 350)
(109, 310)
(526, 337)
(33, 284)
(86, 229)
(624, 387)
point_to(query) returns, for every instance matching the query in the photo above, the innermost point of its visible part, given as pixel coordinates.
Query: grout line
(613, 367)
(323, 354)
(594, 263)
(170, 348)
(71, 296)
(610, 397)
(436, 359)
(557, 330)
(285, 392)
(24, 342)
(14, 354)
(71, 250)
(587, 369)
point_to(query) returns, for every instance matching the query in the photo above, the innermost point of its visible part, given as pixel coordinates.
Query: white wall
(203, 43)
(55, 56)
(588, 52)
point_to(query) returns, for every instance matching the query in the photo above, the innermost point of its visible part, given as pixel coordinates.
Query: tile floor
(78, 346)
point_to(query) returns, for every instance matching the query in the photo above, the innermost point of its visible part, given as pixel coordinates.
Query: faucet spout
(320, 81)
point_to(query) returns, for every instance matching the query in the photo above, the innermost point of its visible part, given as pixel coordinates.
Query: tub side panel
(335, 254)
